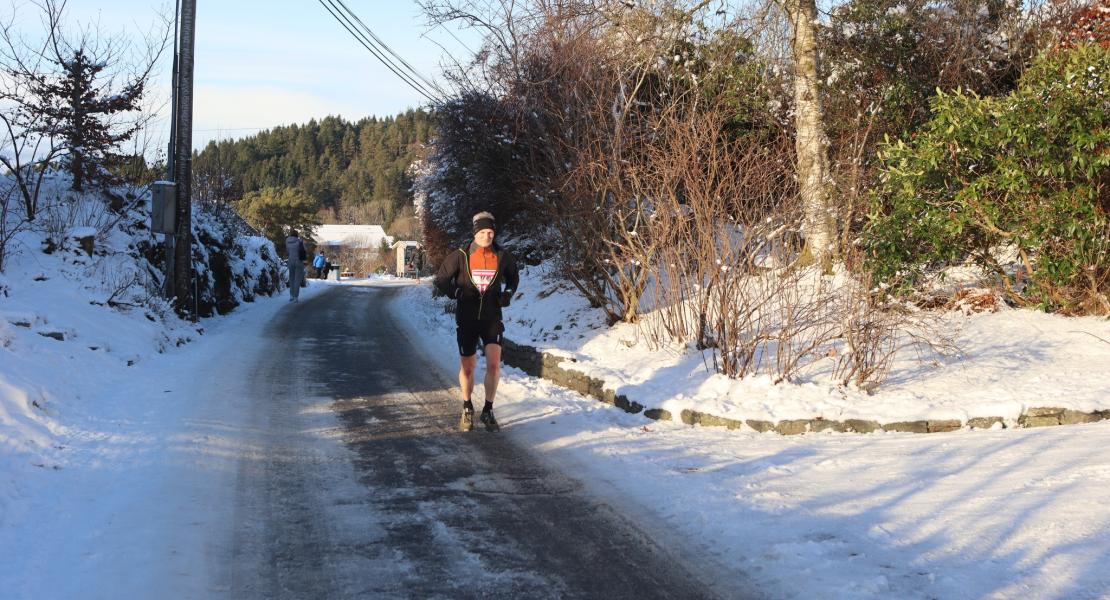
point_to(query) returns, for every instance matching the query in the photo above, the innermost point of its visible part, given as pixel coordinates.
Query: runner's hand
(506, 298)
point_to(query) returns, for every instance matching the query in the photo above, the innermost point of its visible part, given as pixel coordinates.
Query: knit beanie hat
(483, 220)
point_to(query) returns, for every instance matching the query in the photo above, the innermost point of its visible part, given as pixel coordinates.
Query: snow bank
(966, 514)
(75, 317)
(1003, 363)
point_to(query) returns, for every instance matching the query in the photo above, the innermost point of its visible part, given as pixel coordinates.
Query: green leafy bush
(1025, 173)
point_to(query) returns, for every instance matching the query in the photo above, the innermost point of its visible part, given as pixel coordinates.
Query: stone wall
(558, 370)
(550, 367)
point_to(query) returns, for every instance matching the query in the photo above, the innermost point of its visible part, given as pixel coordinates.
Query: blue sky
(265, 63)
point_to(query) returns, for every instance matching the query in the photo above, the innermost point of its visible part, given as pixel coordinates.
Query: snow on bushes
(1026, 173)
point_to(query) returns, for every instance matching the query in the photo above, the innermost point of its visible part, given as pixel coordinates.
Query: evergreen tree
(350, 171)
(81, 100)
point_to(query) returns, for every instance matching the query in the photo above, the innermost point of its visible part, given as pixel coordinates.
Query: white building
(352, 237)
(354, 250)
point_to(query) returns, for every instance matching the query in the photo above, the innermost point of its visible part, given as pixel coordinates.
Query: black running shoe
(466, 421)
(491, 423)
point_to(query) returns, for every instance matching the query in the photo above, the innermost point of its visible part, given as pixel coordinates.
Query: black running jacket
(454, 281)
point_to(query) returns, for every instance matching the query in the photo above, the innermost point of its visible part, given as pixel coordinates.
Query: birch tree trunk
(811, 143)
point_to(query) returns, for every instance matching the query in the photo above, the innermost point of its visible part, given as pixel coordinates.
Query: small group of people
(296, 255)
(482, 278)
(322, 265)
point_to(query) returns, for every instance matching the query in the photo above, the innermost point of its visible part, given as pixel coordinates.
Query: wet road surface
(356, 484)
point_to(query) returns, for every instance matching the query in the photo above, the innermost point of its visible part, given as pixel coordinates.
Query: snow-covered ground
(97, 389)
(1015, 513)
(997, 365)
(140, 469)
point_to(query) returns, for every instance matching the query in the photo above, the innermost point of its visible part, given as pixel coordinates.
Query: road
(356, 483)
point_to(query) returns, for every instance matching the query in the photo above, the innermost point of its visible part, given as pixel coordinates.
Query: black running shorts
(469, 332)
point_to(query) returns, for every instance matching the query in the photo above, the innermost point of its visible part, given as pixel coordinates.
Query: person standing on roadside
(296, 255)
(318, 263)
(482, 277)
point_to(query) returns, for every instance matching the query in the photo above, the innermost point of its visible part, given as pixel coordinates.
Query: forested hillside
(327, 171)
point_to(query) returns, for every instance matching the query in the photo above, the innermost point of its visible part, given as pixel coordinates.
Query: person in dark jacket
(482, 277)
(296, 255)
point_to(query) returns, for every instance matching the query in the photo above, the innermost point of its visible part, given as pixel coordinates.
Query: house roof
(351, 236)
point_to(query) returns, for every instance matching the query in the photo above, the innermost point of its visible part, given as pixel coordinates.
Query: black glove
(506, 298)
(451, 293)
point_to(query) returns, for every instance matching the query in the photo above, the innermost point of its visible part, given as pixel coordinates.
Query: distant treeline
(346, 171)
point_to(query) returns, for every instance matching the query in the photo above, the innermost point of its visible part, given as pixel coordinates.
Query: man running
(482, 277)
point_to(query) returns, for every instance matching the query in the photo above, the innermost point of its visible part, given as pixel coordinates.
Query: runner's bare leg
(467, 365)
(493, 370)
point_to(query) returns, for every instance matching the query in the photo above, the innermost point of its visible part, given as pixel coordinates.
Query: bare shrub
(740, 321)
(12, 221)
(601, 100)
(722, 223)
(870, 333)
(28, 143)
(121, 286)
(807, 323)
(876, 327)
(65, 212)
(582, 84)
(577, 96)
(359, 261)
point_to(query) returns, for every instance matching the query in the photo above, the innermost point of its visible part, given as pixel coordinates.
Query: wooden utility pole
(183, 158)
(171, 154)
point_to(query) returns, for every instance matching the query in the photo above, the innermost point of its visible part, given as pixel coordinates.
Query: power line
(382, 44)
(343, 21)
(452, 34)
(233, 129)
(369, 45)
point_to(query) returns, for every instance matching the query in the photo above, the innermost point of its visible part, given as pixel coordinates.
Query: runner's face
(484, 237)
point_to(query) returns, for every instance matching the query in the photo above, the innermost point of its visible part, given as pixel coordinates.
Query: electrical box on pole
(163, 206)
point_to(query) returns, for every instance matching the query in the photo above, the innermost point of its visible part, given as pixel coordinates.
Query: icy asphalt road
(355, 483)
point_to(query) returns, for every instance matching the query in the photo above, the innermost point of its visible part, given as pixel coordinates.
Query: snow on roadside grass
(968, 514)
(963, 515)
(139, 463)
(62, 346)
(1006, 362)
(84, 357)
